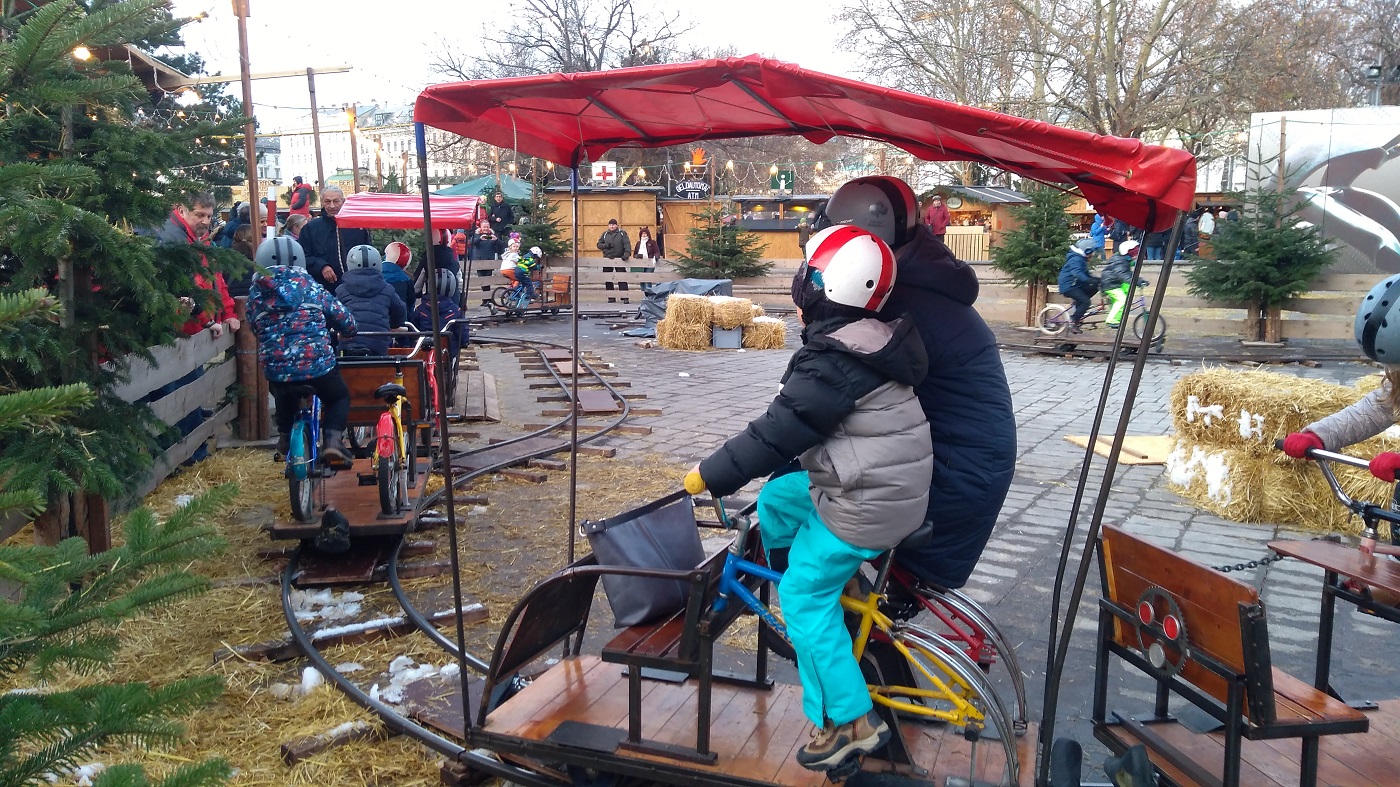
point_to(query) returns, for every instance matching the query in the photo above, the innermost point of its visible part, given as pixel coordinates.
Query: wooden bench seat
(1203, 636)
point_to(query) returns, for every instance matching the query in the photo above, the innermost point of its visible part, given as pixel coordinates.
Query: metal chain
(1263, 561)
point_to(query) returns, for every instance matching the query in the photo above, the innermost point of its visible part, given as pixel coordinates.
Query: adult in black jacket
(965, 395)
(502, 216)
(326, 244)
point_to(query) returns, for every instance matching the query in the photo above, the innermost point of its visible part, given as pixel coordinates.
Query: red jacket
(937, 218)
(301, 192)
(195, 324)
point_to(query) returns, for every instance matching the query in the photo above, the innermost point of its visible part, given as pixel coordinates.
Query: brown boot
(834, 744)
(335, 454)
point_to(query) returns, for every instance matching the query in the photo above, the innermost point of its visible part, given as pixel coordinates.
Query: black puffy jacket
(326, 245)
(375, 305)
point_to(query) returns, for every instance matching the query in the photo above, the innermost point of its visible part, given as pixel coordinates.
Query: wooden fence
(1324, 313)
(89, 516)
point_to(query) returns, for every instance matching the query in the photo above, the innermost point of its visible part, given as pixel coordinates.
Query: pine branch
(36, 409)
(25, 305)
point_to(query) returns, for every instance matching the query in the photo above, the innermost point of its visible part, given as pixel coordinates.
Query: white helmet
(883, 205)
(399, 254)
(1378, 322)
(851, 266)
(363, 256)
(1127, 247)
(536, 252)
(282, 250)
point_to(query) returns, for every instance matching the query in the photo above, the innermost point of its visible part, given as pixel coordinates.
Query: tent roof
(511, 186)
(372, 210)
(567, 118)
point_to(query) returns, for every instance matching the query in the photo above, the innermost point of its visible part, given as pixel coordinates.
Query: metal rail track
(391, 718)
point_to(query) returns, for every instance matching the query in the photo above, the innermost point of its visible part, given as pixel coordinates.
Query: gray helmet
(363, 256)
(281, 250)
(1085, 246)
(1378, 322)
(879, 204)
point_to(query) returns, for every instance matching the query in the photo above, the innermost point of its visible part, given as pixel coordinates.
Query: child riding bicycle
(1076, 282)
(292, 317)
(1113, 281)
(847, 408)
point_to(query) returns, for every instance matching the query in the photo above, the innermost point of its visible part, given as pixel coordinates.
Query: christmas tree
(69, 602)
(718, 247)
(1033, 252)
(88, 160)
(1262, 260)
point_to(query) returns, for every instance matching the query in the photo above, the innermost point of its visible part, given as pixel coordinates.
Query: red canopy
(566, 118)
(405, 212)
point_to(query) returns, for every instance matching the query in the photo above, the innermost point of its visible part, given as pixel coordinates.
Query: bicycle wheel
(361, 440)
(973, 614)
(1053, 320)
(930, 656)
(301, 482)
(501, 297)
(1159, 330)
(388, 476)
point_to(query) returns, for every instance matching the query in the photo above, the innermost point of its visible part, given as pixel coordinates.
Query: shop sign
(691, 188)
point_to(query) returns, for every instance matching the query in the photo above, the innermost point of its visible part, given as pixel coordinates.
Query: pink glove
(1298, 443)
(1385, 465)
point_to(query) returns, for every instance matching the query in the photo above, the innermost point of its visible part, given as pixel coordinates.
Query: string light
(81, 52)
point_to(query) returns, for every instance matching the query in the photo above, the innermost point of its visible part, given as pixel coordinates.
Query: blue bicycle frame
(310, 419)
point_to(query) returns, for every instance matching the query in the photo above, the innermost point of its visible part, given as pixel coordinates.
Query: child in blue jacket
(373, 303)
(292, 317)
(1076, 282)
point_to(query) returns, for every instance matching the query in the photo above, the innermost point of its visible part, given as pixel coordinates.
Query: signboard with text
(691, 188)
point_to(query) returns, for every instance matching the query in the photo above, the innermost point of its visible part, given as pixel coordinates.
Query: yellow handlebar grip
(694, 484)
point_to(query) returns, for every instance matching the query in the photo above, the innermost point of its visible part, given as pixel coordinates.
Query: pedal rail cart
(569, 119)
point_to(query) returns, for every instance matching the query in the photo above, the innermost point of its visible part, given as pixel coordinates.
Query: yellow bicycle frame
(390, 437)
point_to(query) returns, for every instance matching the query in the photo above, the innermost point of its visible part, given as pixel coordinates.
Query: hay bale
(683, 336)
(731, 312)
(663, 328)
(1240, 486)
(765, 333)
(1249, 410)
(690, 310)
(758, 311)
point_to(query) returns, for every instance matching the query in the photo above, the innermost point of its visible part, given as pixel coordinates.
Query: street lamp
(1378, 75)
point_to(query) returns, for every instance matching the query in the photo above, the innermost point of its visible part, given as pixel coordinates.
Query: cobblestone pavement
(705, 397)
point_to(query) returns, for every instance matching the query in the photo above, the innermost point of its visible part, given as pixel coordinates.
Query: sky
(391, 45)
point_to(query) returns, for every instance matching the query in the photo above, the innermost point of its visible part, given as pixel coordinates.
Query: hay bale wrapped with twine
(758, 310)
(765, 333)
(689, 310)
(731, 312)
(1249, 410)
(683, 335)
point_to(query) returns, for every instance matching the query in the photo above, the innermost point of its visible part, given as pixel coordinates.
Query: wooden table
(1340, 562)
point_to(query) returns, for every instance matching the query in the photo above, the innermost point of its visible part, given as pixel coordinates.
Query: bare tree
(549, 36)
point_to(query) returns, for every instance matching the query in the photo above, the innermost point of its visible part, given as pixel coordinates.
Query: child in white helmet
(848, 411)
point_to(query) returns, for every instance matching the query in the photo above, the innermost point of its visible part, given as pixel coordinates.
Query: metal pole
(352, 115)
(379, 162)
(316, 130)
(250, 141)
(440, 347)
(573, 386)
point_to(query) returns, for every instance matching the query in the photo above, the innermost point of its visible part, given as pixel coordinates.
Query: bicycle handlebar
(694, 484)
(1369, 512)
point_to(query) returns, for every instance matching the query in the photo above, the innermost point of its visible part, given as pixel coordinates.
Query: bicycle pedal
(844, 770)
(367, 479)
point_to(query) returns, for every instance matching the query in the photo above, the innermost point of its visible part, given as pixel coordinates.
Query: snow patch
(1194, 408)
(1251, 425)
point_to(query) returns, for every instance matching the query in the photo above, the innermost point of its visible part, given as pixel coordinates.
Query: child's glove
(1297, 444)
(1385, 465)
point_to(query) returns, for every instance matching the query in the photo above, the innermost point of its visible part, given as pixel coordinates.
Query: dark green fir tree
(66, 604)
(1262, 260)
(539, 225)
(718, 247)
(90, 161)
(1032, 253)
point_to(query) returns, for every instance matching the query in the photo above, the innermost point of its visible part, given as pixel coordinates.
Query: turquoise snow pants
(819, 565)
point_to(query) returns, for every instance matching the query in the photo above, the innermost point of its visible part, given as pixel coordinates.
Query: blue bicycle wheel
(301, 486)
(299, 452)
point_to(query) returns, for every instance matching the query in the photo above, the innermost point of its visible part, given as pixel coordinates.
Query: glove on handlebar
(1385, 465)
(1297, 444)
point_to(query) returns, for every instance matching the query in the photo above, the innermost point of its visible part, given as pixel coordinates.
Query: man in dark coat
(614, 242)
(502, 216)
(965, 395)
(326, 244)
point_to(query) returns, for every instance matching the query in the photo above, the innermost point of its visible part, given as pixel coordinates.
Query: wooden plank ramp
(476, 461)
(476, 396)
(754, 733)
(359, 504)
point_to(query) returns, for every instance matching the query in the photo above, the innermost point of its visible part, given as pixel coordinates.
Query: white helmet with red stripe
(399, 254)
(852, 266)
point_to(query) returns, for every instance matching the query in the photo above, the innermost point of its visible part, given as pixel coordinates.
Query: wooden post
(95, 526)
(1273, 318)
(250, 139)
(1251, 326)
(316, 130)
(1035, 301)
(352, 115)
(52, 526)
(252, 401)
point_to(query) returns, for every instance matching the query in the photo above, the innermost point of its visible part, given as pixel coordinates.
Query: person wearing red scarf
(189, 224)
